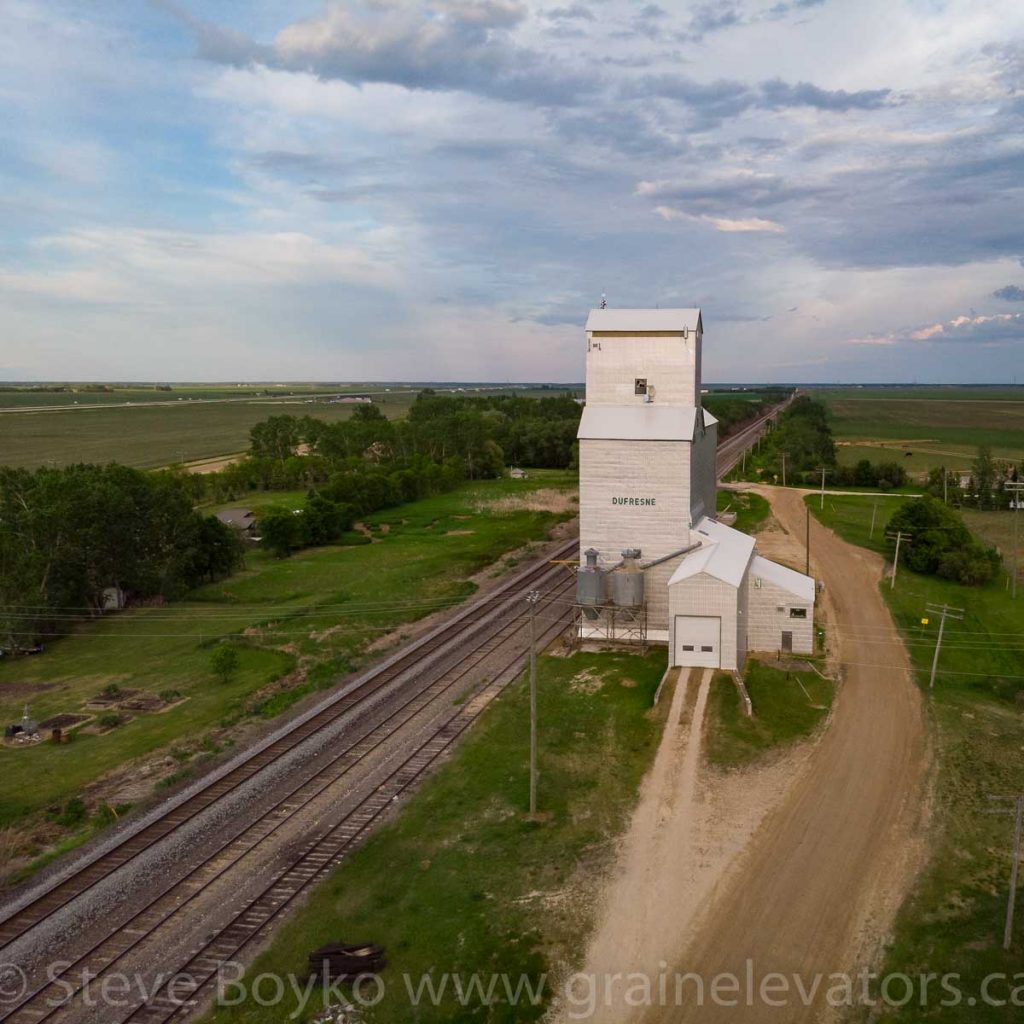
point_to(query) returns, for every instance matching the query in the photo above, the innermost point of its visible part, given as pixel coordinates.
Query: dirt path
(796, 866)
(816, 891)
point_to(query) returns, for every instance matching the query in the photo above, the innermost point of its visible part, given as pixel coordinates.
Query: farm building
(655, 563)
(241, 519)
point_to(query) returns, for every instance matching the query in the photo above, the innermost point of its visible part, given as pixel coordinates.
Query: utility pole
(899, 538)
(945, 486)
(783, 469)
(807, 537)
(945, 612)
(531, 599)
(874, 513)
(1016, 489)
(824, 470)
(744, 470)
(1018, 812)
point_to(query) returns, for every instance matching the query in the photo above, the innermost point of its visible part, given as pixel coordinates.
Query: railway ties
(464, 625)
(322, 853)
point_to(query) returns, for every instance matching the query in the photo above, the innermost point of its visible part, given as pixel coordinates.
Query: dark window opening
(707, 649)
(687, 647)
(798, 613)
(640, 386)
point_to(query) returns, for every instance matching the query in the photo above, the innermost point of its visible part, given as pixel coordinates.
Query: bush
(109, 721)
(940, 543)
(224, 662)
(73, 813)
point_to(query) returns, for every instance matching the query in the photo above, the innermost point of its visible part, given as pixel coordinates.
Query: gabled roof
(789, 579)
(724, 553)
(235, 516)
(641, 321)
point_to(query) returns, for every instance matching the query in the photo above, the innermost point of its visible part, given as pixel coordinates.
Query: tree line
(68, 535)
(985, 487)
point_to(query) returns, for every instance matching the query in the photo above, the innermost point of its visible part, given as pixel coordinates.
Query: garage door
(698, 640)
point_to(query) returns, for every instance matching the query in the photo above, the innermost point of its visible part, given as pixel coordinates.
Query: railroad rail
(367, 685)
(321, 854)
(480, 630)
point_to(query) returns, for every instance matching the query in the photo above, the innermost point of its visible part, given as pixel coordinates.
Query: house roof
(641, 422)
(724, 553)
(235, 516)
(789, 579)
(641, 321)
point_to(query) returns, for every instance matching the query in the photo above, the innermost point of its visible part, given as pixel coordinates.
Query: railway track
(478, 632)
(320, 855)
(367, 685)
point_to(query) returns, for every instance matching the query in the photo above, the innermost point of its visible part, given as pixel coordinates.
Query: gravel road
(821, 880)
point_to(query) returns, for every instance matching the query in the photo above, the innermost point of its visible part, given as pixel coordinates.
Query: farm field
(939, 427)
(149, 436)
(953, 919)
(298, 624)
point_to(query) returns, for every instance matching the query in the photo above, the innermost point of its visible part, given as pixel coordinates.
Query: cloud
(975, 329)
(728, 224)
(1011, 293)
(461, 45)
(575, 12)
(777, 94)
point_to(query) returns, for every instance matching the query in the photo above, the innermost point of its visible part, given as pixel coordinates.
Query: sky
(441, 189)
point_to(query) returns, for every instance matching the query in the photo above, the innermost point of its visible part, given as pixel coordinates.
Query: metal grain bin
(590, 582)
(627, 582)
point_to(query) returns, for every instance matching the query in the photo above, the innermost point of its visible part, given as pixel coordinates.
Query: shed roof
(724, 553)
(235, 516)
(640, 422)
(641, 321)
(789, 579)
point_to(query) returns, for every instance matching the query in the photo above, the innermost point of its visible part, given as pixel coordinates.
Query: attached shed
(781, 608)
(707, 599)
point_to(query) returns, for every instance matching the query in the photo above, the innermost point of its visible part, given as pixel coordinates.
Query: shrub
(224, 662)
(73, 813)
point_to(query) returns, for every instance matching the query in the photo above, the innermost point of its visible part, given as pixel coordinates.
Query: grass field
(152, 435)
(788, 706)
(148, 436)
(939, 427)
(751, 509)
(463, 883)
(953, 920)
(315, 612)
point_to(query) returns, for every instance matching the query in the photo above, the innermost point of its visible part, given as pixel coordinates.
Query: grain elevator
(654, 564)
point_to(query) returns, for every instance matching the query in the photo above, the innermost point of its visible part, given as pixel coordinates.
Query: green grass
(214, 423)
(322, 605)
(940, 426)
(751, 509)
(788, 706)
(462, 881)
(148, 436)
(953, 919)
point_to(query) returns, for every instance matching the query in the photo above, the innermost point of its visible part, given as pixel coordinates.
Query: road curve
(834, 855)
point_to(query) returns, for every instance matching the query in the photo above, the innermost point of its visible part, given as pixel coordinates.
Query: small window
(707, 649)
(687, 647)
(640, 386)
(798, 613)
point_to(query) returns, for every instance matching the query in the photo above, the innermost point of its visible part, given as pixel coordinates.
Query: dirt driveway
(797, 866)
(819, 884)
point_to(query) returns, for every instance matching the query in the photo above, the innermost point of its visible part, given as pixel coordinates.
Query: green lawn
(953, 920)
(938, 426)
(462, 882)
(319, 609)
(788, 706)
(751, 509)
(150, 436)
